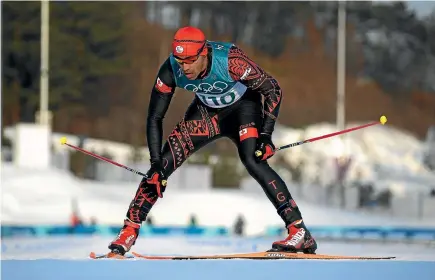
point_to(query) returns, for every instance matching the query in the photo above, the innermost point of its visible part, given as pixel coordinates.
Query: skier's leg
(245, 136)
(198, 128)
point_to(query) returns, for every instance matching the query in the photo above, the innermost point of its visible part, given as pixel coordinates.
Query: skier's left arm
(246, 71)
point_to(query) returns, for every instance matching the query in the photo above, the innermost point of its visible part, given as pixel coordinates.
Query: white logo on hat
(179, 49)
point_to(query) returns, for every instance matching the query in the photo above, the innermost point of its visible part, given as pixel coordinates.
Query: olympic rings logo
(215, 88)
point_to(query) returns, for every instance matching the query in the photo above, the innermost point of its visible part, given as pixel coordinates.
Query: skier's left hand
(265, 147)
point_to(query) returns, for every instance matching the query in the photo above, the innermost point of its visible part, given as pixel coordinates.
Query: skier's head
(189, 49)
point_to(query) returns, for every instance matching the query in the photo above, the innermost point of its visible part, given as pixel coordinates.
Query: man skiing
(228, 88)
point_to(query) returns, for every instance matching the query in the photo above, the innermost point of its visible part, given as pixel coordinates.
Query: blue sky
(422, 8)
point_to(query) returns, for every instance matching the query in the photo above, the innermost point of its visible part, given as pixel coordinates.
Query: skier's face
(193, 66)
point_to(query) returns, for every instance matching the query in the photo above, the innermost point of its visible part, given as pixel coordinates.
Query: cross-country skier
(228, 88)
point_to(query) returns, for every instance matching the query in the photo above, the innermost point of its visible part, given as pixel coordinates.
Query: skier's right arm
(161, 95)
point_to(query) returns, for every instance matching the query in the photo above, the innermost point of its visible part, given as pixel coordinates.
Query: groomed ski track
(66, 258)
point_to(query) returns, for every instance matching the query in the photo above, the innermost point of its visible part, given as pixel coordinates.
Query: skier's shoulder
(240, 66)
(165, 78)
(234, 48)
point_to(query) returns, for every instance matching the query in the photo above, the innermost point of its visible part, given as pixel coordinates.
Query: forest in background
(104, 57)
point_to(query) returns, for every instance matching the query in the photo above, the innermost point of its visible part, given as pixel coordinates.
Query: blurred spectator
(365, 194)
(149, 220)
(93, 221)
(82, 140)
(384, 198)
(193, 222)
(365, 190)
(6, 152)
(342, 165)
(432, 193)
(239, 226)
(76, 220)
(75, 217)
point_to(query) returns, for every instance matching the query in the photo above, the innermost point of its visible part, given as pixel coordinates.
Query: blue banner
(49, 230)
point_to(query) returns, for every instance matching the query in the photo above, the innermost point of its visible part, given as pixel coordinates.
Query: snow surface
(80, 247)
(83, 269)
(45, 197)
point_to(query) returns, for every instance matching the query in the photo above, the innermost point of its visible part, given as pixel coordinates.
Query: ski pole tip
(63, 140)
(383, 119)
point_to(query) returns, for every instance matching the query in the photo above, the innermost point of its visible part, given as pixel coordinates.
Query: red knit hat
(189, 41)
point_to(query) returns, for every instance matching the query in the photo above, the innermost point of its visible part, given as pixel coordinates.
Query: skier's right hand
(155, 176)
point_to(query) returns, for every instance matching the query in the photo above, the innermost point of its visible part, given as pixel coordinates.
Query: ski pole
(63, 141)
(382, 121)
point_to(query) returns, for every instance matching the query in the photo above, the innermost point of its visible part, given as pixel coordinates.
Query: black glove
(155, 176)
(265, 147)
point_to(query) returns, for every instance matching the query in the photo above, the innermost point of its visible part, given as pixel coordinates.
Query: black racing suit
(242, 122)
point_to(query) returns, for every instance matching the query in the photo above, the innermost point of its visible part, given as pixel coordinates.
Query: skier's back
(229, 88)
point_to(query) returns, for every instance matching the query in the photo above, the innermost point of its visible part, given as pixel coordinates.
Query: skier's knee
(248, 161)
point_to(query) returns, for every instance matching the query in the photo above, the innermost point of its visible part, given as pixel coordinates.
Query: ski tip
(92, 255)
